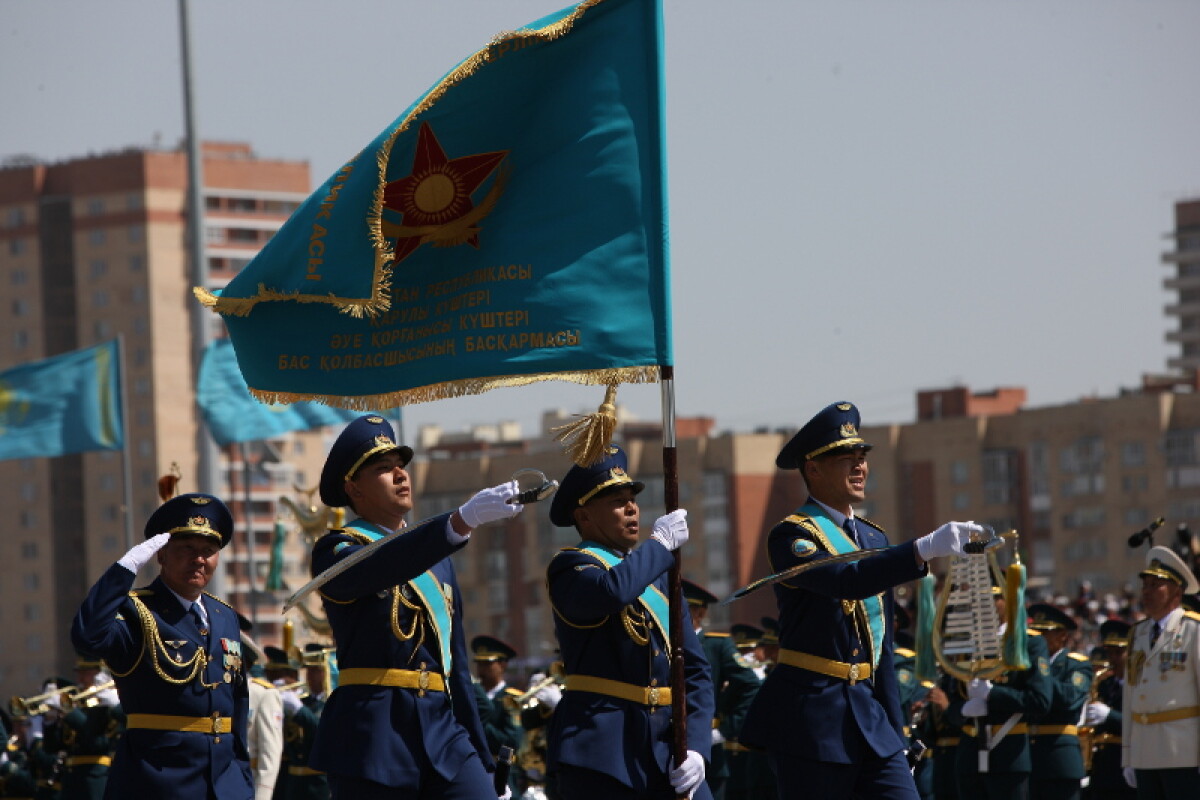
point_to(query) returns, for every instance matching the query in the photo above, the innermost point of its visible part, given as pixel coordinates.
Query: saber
(540, 492)
(791, 572)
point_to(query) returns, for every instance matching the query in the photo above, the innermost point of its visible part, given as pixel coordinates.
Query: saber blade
(346, 563)
(791, 572)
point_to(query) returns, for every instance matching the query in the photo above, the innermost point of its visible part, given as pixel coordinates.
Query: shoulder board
(715, 635)
(357, 536)
(141, 593)
(802, 521)
(1192, 615)
(1078, 656)
(212, 596)
(512, 692)
(904, 651)
(742, 661)
(1032, 632)
(264, 683)
(927, 684)
(874, 525)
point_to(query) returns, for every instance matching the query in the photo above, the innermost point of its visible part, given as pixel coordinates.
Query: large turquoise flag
(509, 227)
(233, 415)
(65, 404)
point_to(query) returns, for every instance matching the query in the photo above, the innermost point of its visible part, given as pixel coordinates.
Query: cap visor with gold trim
(194, 514)
(364, 438)
(1163, 562)
(489, 648)
(582, 484)
(833, 429)
(1045, 617)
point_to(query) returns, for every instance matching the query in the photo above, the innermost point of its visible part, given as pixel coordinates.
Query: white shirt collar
(187, 604)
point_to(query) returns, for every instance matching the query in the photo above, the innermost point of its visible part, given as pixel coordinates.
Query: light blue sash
(434, 596)
(654, 601)
(837, 541)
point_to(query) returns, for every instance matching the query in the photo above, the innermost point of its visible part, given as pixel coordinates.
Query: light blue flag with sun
(66, 404)
(233, 415)
(509, 227)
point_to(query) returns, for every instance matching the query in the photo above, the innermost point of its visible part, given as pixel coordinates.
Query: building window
(20, 307)
(20, 339)
(960, 473)
(137, 234)
(17, 247)
(133, 202)
(102, 330)
(15, 218)
(95, 206)
(214, 235)
(137, 263)
(31, 581)
(1135, 483)
(33, 612)
(19, 277)
(999, 477)
(962, 501)
(28, 519)
(29, 550)
(97, 236)
(98, 267)
(1133, 454)
(138, 294)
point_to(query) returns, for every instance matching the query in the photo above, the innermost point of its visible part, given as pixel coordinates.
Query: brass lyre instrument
(966, 643)
(85, 698)
(1087, 733)
(33, 705)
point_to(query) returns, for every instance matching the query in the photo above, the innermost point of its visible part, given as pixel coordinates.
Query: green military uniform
(498, 709)
(1054, 738)
(737, 756)
(300, 730)
(90, 734)
(16, 779)
(1104, 715)
(942, 737)
(1025, 693)
(904, 659)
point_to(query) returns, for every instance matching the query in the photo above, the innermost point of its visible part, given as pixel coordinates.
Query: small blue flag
(232, 413)
(509, 227)
(65, 404)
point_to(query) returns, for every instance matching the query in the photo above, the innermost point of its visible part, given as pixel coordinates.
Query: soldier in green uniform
(992, 758)
(1054, 739)
(48, 753)
(737, 756)
(300, 726)
(734, 683)
(496, 700)
(1103, 715)
(91, 727)
(283, 672)
(16, 779)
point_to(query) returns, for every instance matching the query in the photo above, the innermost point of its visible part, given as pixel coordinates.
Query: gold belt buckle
(853, 675)
(216, 722)
(652, 695)
(422, 680)
(1142, 718)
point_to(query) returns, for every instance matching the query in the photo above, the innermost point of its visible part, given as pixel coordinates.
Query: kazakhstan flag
(65, 404)
(509, 227)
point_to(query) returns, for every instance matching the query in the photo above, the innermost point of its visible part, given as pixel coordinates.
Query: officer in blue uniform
(175, 653)
(610, 736)
(1054, 750)
(734, 684)
(1103, 715)
(402, 721)
(829, 713)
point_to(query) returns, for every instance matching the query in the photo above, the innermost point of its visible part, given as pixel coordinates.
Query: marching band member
(1103, 714)
(175, 653)
(493, 695)
(610, 736)
(264, 738)
(302, 720)
(829, 713)
(1055, 755)
(1160, 731)
(91, 727)
(402, 721)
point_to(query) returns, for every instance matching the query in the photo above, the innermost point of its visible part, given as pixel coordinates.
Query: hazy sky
(867, 198)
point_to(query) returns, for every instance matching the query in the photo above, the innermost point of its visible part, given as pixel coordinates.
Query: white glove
(977, 693)
(507, 793)
(1096, 713)
(947, 540)
(549, 695)
(688, 775)
(488, 505)
(291, 702)
(718, 737)
(671, 531)
(140, 554)
(1130, 777)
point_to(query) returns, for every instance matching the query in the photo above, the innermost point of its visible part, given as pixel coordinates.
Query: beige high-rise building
(92, 248)
(1186, 283)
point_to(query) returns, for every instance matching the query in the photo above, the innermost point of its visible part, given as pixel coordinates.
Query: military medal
(228, 677)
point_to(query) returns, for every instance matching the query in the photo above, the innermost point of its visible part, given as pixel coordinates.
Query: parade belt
(646, 695)
(835, 669)
(1105, 739)
(946, 741)
(1167, 716)
(403, 678)
(166, 722)
(304, 771)
(1019, 728)
(87, 761)
(1053, 730)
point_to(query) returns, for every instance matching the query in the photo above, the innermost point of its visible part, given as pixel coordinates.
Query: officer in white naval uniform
(1160, 732)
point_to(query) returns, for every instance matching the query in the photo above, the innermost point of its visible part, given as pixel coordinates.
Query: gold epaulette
(212, 596)
(1078, 656)
(1192, 615)
(263, 682)
(874, 525)
(716, 634)
(141, 593)
(904, 651)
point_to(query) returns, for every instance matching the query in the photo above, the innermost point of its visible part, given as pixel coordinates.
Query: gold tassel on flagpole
(586, 438)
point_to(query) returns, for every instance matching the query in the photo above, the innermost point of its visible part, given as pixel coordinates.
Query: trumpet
(85, 698)
(527, 700)
(300, 687)
(33, 705)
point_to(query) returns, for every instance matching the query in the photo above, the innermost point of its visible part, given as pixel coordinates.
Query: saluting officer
(734, 684)
(175, 653)
(1103, 714)
(1160, 732)
(1054, 749)
(496, 699)
(829, 712)
(610, 736)
(402, 721)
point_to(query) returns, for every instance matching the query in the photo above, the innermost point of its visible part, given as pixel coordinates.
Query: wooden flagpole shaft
(675, 576)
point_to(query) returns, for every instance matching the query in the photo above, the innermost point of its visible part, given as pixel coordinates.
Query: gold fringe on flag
(586, 439)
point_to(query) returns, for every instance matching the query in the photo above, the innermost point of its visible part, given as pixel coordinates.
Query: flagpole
(126, 471)
(675, 575)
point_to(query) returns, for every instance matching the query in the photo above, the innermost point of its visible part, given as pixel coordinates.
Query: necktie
(851, 531)
(199, 619)
(1155, 632)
